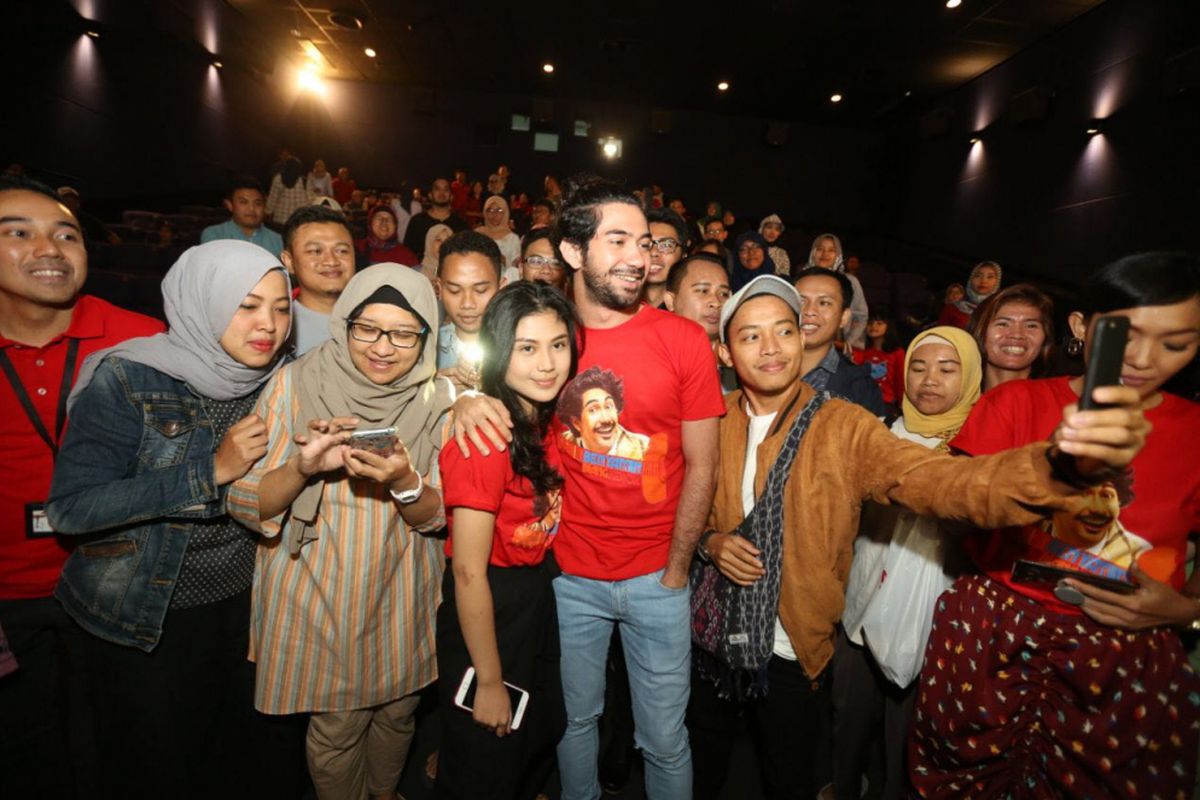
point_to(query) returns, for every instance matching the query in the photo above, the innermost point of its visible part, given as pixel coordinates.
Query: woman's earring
(1074, 347)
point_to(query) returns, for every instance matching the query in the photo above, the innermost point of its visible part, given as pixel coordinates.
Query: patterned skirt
(1019, 702)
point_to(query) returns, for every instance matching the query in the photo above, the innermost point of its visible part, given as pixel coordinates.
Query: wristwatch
(410, 496)
(701, 550)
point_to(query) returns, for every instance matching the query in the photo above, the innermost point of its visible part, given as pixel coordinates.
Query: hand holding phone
(380, 441)
(487, 709)
(1109, 337)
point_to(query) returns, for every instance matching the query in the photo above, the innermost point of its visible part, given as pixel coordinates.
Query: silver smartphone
(381, 441)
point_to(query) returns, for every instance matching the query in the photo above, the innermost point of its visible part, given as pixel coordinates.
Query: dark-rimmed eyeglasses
(543, 262)
(369, 334)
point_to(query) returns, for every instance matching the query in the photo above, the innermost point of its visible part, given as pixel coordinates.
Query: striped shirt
(349, 622)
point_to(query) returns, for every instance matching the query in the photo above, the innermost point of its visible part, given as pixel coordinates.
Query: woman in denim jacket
(161, 575)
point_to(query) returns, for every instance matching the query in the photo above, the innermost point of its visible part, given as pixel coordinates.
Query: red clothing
(887, 369)
(619, 504)
(952, 315)
(396, 254)
(342, 189)
(525, 524)
(29, 567)
(458, 195)
(1165, 489)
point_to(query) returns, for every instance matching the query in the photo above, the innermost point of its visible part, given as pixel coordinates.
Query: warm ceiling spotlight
(835, 98)
(611, 147)
(217, 64)
(908, 93)
(94, 34)
(975, 140)
(723, 86)
(548, 68)
(1094, 127)
(953, 3)
(369, 51)
(308, 81)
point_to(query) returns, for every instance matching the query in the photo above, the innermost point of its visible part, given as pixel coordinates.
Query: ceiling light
(835, 98)
(610, 147)
(217, 64)
(953, 3)
(94, 34)
(547, 68)
(723, 86)
(311, 51)
(308, 80)
(370, 52)
(1094, 127)
(976, 140)
(908, 93)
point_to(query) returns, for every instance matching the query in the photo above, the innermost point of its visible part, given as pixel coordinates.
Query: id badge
(37, 526)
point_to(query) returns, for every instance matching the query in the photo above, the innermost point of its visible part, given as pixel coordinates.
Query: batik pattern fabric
(1017, 701)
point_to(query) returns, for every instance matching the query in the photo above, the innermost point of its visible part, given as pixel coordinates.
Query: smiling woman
(1014, 329)
(160, 426)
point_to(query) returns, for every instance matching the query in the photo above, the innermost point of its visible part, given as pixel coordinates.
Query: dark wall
(139, 114)
(1042, 197)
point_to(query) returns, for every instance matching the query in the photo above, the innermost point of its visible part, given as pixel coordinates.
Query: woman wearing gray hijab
(827, 252)
(159, 428)
(346, 588)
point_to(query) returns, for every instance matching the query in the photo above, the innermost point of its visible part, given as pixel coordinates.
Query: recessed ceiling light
(370, 51)
(723, 86)
(908, 93)
(835, 98)
(953, 3)
(547, 68)
(976, 140)
(94, 34)
(217, 64)
(1094, 127)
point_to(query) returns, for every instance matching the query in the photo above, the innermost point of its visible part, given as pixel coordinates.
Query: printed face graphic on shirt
(599, 429)
(1091, 523)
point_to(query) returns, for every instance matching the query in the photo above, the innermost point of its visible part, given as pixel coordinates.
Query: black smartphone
(1037, 573)
(1107, 355)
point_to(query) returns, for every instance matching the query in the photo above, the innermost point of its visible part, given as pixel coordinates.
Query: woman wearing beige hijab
(495, 225)
(346, 587)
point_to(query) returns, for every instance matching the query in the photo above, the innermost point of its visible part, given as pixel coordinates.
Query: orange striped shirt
(349, 622)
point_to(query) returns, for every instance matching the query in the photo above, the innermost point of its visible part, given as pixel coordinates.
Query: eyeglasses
(749, 248)
(405, 340)
(542, 262)
(665, 245)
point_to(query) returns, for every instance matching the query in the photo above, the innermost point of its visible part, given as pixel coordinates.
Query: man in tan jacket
(845, 458)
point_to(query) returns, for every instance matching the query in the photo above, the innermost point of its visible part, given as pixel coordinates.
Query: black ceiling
(783, 59)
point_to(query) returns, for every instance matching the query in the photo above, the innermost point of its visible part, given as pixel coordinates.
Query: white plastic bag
(897, 621)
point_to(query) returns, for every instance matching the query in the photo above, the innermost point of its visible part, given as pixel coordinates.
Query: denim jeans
(656, 636)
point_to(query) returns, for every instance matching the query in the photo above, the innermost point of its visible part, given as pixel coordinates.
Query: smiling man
(668, 239)
(630, 521)
(468, 277)
(319, 253)
(47, 329)
(247, 206)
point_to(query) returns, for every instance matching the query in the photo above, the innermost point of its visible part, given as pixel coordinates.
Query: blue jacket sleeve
(99, 482)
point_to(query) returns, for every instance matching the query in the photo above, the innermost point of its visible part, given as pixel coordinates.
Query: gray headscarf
(201, 294)
(839, 265)
(329, 385)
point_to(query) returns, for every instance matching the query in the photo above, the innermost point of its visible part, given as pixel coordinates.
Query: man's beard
(601, 292)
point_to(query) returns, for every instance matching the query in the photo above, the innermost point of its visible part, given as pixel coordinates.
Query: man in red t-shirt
(637, 433)
(47, 329)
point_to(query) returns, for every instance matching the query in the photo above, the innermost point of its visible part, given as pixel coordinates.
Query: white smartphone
(465, 697)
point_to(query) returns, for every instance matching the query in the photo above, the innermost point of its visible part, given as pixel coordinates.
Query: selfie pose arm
(473, 596)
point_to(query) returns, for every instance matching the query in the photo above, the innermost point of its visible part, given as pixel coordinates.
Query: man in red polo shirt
(47, 329)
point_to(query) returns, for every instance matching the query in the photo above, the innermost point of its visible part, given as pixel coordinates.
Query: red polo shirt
(29, 568)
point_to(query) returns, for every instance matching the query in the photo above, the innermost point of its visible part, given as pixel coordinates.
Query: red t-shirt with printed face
(29, 567)
(526, 523)
(1145, 516)
(618, 430)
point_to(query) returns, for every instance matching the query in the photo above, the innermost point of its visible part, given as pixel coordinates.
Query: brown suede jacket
(848, 456)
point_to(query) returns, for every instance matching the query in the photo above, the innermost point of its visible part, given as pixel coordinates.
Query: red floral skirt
(1019, 702)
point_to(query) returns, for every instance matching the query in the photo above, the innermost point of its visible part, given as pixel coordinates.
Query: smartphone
(465, 697)
(381, 441)
(1038, 573)
(1108, 354)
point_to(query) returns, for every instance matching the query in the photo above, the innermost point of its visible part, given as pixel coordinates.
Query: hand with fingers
(321, 448)
(243, 445)
(482, 420)
(1104, 439)
(493, 708)
(395, 471)
(735, 557)
(1154, 604)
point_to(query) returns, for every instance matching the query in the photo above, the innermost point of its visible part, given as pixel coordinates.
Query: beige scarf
(329, 385)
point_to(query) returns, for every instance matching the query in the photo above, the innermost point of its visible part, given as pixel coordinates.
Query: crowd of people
(525, 454)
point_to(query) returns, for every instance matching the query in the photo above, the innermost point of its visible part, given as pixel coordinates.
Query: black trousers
(790, 727)
(180, 721)
(47, 746)
(473, 763)
(871, 717)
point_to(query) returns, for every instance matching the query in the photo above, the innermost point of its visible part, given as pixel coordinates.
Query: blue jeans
(656, 635)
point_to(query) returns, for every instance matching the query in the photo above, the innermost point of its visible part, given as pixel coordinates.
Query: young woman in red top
(886, 359)
(1035, 690)
(498, 612)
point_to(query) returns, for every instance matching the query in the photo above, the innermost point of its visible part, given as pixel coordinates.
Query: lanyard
(64, 392)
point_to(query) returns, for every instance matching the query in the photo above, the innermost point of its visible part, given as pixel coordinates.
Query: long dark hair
(1147, 279)
(497, 334)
